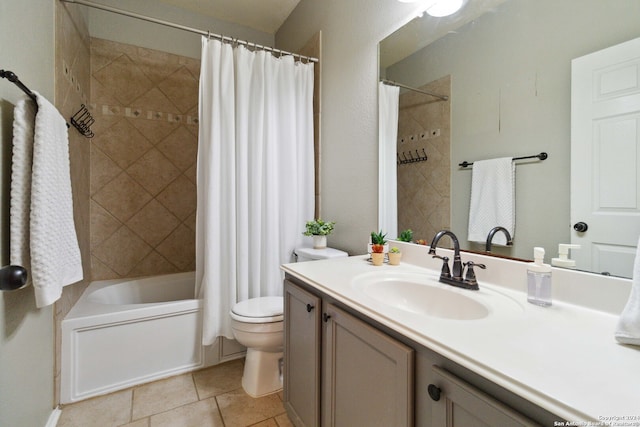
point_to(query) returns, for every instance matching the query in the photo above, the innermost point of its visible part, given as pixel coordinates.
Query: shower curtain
(388, 102)
(255, 175)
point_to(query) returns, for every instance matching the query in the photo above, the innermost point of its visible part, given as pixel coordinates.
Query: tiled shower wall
(143, 161)
(424, 187)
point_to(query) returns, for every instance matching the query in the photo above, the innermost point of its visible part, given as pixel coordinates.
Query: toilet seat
(259, 310)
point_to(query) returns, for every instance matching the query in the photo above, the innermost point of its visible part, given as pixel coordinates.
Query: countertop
(563, 358)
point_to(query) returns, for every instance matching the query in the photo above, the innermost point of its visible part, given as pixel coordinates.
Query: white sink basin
(422, 294)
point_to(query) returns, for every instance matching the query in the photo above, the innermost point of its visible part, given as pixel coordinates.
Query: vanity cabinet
(367, 376)
(342, 368)
(457, 403)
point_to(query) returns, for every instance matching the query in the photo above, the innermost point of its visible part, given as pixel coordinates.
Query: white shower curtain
(388, 100)
(255, 175)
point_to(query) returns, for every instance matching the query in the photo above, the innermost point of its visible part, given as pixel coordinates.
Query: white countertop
(563, 358)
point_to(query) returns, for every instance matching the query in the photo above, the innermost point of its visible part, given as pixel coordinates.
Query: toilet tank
(310, 254)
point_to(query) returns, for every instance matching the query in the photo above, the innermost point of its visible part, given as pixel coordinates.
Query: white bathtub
(126, 332)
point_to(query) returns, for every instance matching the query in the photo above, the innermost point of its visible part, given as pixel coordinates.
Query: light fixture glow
(444, 8)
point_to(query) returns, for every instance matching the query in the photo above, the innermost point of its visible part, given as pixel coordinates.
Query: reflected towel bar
(541, 156)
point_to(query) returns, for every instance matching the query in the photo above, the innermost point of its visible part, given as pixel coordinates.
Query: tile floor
(211, 397)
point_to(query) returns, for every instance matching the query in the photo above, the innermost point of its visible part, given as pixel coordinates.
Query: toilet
(257, 323)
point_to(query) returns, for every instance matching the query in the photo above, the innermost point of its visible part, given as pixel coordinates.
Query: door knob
(434, 392)
(326, 317)
(309, 308)
(580, 227)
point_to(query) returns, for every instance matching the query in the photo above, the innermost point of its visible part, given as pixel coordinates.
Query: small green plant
(406, 236)
(318, 227)
(377, 241)
(394, 250)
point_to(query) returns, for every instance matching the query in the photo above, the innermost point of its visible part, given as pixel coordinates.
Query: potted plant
(406, 235)
(319, 229)
(394, 256)
(377, 247)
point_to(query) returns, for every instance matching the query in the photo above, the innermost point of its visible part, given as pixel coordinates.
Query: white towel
(492, 199)
(20, 203)
(46, 201)
(628, 328)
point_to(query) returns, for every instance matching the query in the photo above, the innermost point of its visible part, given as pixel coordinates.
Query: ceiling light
(444, 7)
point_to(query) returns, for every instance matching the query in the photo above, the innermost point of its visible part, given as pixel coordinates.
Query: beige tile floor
(211, 397)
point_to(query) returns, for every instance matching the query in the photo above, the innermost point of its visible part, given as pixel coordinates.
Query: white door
(605, 158)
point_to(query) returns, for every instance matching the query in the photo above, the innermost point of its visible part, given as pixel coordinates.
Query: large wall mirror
(505, 67)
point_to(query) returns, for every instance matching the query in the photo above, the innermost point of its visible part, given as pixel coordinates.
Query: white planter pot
(319, 242)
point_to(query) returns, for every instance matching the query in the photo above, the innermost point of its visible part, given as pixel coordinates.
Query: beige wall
(351, 31)
(26, 333)
(143, 161)
(424, 187)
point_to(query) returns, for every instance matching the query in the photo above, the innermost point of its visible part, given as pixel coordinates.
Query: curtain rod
(190, 29)
(392, 83)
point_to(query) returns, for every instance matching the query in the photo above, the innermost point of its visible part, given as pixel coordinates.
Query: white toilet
(257, 323)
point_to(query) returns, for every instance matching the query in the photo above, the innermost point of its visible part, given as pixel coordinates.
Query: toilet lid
(259, 310)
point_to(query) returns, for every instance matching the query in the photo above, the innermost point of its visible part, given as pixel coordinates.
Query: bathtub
(126, 332)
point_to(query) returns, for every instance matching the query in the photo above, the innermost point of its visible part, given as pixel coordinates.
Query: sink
(421, 294)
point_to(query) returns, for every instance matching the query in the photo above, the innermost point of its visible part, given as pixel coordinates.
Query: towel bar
(541, 156)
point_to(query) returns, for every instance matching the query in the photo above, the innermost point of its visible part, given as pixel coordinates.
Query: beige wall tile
(144, 98)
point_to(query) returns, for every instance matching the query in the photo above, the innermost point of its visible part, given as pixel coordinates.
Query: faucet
(493, 232)
(454, 276)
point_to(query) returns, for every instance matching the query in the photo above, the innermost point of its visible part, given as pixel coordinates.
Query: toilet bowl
(257, 324)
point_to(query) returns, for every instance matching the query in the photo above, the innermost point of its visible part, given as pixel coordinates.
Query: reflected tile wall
(424, 187)
(143, 161)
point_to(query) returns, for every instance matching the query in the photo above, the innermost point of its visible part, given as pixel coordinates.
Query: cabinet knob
(309, 308)
(326, 317)
(434, 392)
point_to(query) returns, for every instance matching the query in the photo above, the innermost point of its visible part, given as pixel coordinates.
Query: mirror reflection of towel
(628, 328)
(492, 199)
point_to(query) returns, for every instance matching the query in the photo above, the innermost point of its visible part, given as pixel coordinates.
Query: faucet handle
(471, 275)
(445, 272)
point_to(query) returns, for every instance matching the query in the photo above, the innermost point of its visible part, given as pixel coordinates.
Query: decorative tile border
(138, 113)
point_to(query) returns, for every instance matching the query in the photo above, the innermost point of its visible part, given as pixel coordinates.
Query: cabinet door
(302, 312)
(459, 404)
(367, 377)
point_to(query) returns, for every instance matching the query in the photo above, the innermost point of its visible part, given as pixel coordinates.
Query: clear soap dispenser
(539, 280)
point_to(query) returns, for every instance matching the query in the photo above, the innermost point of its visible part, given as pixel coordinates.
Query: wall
(26, 333)
(72, 90)
(122, 29)
(348, 172)
(143, 160)
(424, 187)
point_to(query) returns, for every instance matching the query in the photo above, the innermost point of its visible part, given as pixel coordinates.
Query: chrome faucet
(493, 232)
(454, 276)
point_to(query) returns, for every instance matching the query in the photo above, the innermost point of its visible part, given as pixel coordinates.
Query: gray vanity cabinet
(457, 403)
(302, 343)
(367, 376)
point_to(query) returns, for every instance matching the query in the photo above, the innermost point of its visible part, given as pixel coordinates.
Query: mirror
(507, 67)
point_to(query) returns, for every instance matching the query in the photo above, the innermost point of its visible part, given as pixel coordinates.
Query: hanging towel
(628, 329)
(20, 200)
(52, 241)
(492, 199)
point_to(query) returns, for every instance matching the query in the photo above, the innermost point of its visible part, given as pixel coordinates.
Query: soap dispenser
(563, 259)
(539, 280)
